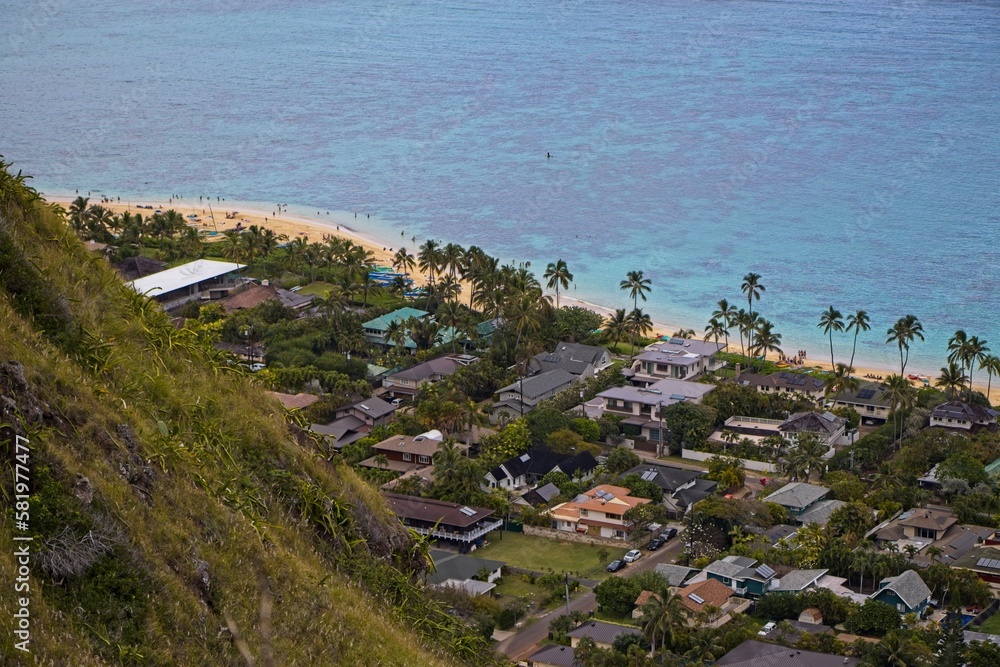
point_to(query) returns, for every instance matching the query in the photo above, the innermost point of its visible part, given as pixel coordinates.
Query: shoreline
(338, 224)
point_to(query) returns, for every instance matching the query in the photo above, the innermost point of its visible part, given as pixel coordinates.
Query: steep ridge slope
(175, 517)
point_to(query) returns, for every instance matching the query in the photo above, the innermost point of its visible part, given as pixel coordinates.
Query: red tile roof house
(598, 512)
(711, 603)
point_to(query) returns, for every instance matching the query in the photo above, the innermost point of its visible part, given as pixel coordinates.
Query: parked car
(656, 543)
(768, 627)
(616, 565)
(669, 534)
(257, 367)
(633, 556)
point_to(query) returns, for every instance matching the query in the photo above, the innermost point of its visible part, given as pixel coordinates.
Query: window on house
(929, 533)
(619, 533)
(584, 513)
(425, 459)
(407, 456)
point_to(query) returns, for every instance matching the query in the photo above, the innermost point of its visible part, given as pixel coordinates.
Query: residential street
(519, 646)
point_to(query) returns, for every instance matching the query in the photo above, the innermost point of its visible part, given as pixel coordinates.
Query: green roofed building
(375, 329)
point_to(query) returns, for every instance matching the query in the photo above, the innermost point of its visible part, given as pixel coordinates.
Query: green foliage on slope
(177, 518)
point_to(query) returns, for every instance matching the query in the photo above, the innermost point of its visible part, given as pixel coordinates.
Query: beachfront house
(202, 279)
(641, 405)
(676, 358)
(522, 396)
(962, 416)
(871, 401)
(783, 382)
(375, 330)
(906, 593)
(599, 512)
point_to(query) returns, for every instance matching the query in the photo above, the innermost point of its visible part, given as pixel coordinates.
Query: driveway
(525, 641)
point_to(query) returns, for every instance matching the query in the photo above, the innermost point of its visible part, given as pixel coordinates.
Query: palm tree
(714, 331)
(395, 333)
(992, 367)
(637, 286)
(705, 648)
(858, 322)
(951, 379)
(752, 287)
(840, 381)
(559, 276)
(767, 339)
(902, 333)
(429, 259)
(978, 351)
(235, 247)
(451, 314)
(831, 320)
(641, 324)
(725, 313)
(451, 258)
(403, 261)
(616, 325)
(741, 320)
(901, 395)
(662, 617)
(381, 461)
(78, 213)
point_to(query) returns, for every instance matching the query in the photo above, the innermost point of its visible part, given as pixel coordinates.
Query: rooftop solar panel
(697, 598)
(765, 571)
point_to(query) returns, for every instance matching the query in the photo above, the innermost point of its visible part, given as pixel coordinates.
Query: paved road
(522, 644)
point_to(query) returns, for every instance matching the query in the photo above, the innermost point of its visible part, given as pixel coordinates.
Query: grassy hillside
(177, 518)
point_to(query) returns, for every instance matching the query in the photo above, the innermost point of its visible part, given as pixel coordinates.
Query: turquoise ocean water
(847, 151)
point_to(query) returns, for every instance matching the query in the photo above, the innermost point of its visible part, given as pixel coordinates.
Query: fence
(759, 466)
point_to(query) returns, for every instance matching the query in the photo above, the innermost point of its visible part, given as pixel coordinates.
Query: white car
(768, 627)
(633, 556)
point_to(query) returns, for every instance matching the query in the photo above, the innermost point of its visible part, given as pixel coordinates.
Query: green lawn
(990, 626)
(621, 619)
(318, 288)
(543, 555)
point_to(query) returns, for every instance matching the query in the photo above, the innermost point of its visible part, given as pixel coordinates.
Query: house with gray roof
(871, 401)
(783, 382)
(582, 360)
(641, 405)
(459, 568)
(521, 397)
(907, 593)
(603, 634)
(796, 581)
(675, 575)
(820, 512)
(826, 426)
(676, 358)
(543, 495)
(407, 382)
(553, 655)
(780, 532)
(744, 575)
(797, 497)
(682, 487)
(752, 653)
(964, 417)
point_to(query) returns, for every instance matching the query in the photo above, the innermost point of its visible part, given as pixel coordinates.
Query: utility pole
(567, 593)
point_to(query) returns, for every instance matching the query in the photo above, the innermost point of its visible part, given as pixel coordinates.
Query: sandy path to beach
(339, 224)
